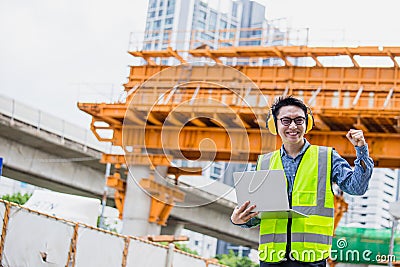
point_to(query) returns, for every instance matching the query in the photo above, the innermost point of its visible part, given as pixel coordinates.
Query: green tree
(182, 247)
(17, 198)
(185, 248)
(233, 260)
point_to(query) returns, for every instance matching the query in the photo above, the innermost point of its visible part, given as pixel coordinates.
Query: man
(310, 171)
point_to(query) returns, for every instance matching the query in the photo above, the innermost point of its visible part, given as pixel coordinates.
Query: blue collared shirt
(352, 181)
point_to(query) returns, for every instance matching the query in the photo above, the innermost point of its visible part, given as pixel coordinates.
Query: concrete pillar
(174, 229)
(160, 173)
(137, 205)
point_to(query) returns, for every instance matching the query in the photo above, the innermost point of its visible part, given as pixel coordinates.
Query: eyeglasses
(287, 121)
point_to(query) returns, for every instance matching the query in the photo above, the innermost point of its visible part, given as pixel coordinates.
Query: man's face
(292, 133)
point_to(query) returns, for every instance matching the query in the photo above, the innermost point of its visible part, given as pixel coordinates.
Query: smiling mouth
(292, 133)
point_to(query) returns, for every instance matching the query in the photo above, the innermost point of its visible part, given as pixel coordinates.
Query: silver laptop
(266, 189)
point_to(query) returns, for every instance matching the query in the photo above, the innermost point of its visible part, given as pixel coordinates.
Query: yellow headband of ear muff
(272, 127)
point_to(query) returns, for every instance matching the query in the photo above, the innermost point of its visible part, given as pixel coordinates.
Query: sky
(54, 53)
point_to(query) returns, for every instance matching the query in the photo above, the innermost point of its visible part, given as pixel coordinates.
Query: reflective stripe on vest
(311, 237)
(296, 237)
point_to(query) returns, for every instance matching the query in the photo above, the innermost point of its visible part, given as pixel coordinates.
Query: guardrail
(45, 121)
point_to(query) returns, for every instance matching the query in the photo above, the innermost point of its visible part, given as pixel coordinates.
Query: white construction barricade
(31, 238)
(146, 254)
(185, 259)
(96, 248)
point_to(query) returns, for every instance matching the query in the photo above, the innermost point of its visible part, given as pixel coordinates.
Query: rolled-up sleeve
(353, 181)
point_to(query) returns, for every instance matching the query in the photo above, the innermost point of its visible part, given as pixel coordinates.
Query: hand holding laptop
(243, 213)
(265, 188)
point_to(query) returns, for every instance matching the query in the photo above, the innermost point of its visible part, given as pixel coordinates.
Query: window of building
(222, 24)
(170, 11)
(234, 9)
(201, 24)
(253, 43)
(232, 34)
(213, 20)
(152, 14)
(161, 3)
(153, 3)
(166, 36)
(196, 242)
(256, 32)
(170, 3)
(202, 15)
(157, 24)
(169, 21)
(160, 13)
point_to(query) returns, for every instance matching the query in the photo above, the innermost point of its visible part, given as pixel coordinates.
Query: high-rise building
(191, 24)
(188, 24)
(184, 24)
(372, 209)
(202, 244)
(254, 19)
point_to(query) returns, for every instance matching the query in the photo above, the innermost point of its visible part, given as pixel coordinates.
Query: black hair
(283, 101)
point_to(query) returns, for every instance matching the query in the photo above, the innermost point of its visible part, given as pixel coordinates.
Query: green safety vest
(311, 237)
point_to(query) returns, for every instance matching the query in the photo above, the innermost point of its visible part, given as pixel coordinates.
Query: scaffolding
(169, 111)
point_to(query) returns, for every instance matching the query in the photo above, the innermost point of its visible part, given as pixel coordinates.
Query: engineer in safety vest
(310, 171)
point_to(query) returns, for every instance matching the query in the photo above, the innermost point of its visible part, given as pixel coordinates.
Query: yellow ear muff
(271, 123)
(310, 120)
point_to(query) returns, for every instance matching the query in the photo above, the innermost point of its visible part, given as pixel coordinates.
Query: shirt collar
(302, 151)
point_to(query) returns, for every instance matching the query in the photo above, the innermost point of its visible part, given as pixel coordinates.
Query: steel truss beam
(282, 52)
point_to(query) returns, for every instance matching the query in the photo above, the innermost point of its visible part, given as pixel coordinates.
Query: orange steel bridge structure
(341, 97)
